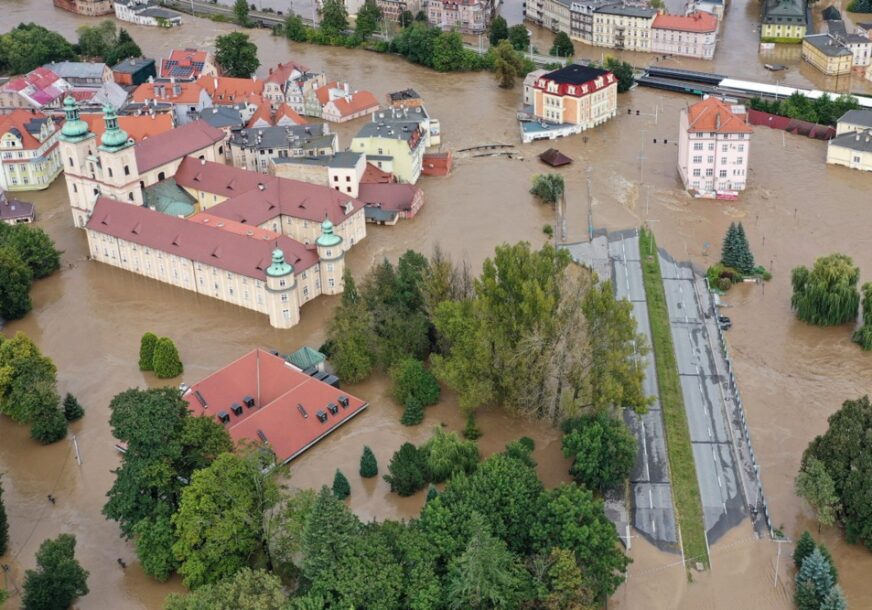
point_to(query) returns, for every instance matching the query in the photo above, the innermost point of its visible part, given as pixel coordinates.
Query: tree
(351, 336)
(845, 449)
(368, 17)
(15, 281)
(96, 40)
(413, 382)
(33, 246)
(341, 488)
(240, 12)
(407, 470)
(548, 187)
(413, 413)
(368, 464)
(334, 17)
(406, 19)
(813, 582)
(124, 48)
(566, 589)
(448, 53)
(827, 295)
(519, 37)
(234, 492)
(623, 71)
(522, 450)
(166, 363)
(58, 578)
(72, 409)
(48, 424)
(28, 46)
(26, 376)
(736, 252)
(247, 589)
(499, 30)
(154, 537)
(815, 485)
(447, 454)
(507, 64)
(146, 351)
(421, 17)
(804, 547)
(863, 336)
(486, 575)
(562, 46)
(602, 450)
(295, 29)
(4, 523)
(835, 599)
(236, 54)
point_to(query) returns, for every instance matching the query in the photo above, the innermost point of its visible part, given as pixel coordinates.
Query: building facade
(395, 146)
(623, 27)
(784, 21)
(187, 98)
(828, 54)
(465, 16)
(254, 148)
(89, 8)
(694, 35)
(146, 12)
(713, 148)
(29, 156)
(581, 18)
(578, 96)
(852, 146)
(392, 9)
(342, 171)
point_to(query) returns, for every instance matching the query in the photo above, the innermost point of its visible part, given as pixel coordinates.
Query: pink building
(713, 148)
(465, 16)
(693, 35)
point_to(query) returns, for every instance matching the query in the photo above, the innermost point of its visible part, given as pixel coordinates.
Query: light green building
(395, 146)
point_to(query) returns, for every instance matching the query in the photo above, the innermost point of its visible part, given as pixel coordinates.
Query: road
(720, 483)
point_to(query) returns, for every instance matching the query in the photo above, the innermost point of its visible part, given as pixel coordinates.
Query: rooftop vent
(248, 401)
(343, 400)
(236, 408)
(223, 417)
(322, 417)
(302, 411)
(331, 406)
(262, 436)
(200, 399)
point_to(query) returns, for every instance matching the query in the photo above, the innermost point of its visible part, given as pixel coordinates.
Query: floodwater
(89, 317)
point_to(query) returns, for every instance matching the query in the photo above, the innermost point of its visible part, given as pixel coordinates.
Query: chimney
(215, 82)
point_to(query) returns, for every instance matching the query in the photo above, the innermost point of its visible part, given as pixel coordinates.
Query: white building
(146, 12)
(852, 146)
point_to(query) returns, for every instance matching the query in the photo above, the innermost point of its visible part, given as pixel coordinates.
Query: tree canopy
(334, 17)
(562, 46)
(815, 485)
(548, 187)
(29, 45)
(247, 589)
(33, 246)
(4, 523)
(58, 579)
(507, 64)
(236, 54)
(827, 294)
(15, 280)
(623, 71)
(499, 30)
(519, 37)
(601, 448)
(863, 335)
(367, 19)
(736, 252)
(240, 12)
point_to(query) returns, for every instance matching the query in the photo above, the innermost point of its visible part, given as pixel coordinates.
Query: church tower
(283, 305)
(118, 161)
(76, 145)
(332, 256)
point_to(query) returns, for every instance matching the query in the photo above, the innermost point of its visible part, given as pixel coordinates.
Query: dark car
(725, 323)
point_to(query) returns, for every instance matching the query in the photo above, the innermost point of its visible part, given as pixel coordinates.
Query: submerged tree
(72, 409)
(827, 294)
(407, 471)
(341, 487)
(368, 464)
(863, 335)
(507, 64)
(58, 578)
(562, 46)
(736, 252)
(166, 363)
(4, 522)
(815, 485)
(548, 187)
(602, 450)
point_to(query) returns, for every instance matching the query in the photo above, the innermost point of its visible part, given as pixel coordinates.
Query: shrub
(341, 488)
(413, 382)
(48, 424)
(447, 454)
(368, 464)
(413, 413)
(724, 284)
(522, 450)
(146, 351)
(471, 431)
(166, 363)
(72, 409)
(408, 470)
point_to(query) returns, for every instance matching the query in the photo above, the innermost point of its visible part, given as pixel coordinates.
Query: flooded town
(752, 382)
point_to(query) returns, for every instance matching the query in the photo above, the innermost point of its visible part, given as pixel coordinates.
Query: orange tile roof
(189, 93)
(323, 93)
(262, 113)
(18, 120)
(714, 116)
(238, 228)
(227, 89)
(137, 127)
(362, 100)
(289, 113)
(286, 403)
(698, 21)
(282, 72)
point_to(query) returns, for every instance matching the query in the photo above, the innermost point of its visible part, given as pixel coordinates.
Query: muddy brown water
(89, 317)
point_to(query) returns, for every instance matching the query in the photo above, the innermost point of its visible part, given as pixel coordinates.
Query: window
(709, 172)
(335, 178)
(711, 146)
(711, 159)
(696, 172)
(741, 147)
(126, 170)
(697, 146)
(725, 147)
(71, 162)
(723, 160)
(331, 282)
(75, 190)
(282, 283)
(286, 314)
(722, 173)
(739, 160)
(329, 267)
(284, 297)
(697, 159)
(305, 292)
(348, 178)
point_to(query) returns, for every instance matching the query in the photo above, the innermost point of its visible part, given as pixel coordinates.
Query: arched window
(126, 170)
(110, 171)
(72, 163)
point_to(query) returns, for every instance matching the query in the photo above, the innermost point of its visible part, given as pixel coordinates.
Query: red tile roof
(281, 73)
(175, 144)
(357, 102)
(323, 93)
(197, 241)
(261, 114)
(254, 198)
(714, 116)
(392, 197)
(278, 389)
(138, 127)
(225, 89)
(698, 21)
(18, 120)
(289, 113)
(375, 175)
(188, 93)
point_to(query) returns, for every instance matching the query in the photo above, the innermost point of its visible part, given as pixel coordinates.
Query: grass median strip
(685, 487)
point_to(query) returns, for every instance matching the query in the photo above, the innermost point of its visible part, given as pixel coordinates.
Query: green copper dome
(114, 138)
(279, 267)
(74, 128)
(327, 238)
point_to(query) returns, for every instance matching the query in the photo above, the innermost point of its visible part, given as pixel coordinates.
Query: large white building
(714, 145)
(29, 158)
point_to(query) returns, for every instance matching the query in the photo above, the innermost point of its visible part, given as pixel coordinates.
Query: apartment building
(29, 157)
(254, 148)
(623, 27)
(88, 8)
(187, 98)
(828, 54)
(852, 146)
(784, 21)
(465, 16)
(581, 18)
(341, 171)
(580, 96)
(393, 145)
(693, 35)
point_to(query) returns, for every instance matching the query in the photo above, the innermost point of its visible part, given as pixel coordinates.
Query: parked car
(725, 323)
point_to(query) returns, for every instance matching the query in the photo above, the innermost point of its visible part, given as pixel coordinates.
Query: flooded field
(89, 317)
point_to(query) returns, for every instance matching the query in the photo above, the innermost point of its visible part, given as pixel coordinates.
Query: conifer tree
(413, 414)
(804, 547)
(368, 464)
(4, 523)
(835, 600)
(146, 351)
(72, 409)
(166, 363)
(745, 259)
(729, 254)
(432, 492)
(341, 488)
(813, 581)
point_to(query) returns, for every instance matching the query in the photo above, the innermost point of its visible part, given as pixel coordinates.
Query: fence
(794, 126)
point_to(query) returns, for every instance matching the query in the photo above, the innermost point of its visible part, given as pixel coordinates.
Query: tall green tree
(154, 538)
(240, 13)
(367, 20)
(412, 381)
(601, 448)
(813, 582)
(519, 37)
(334, 17)
(96, 40)
(27, 379)
(341, 487)
(166, 363)
(562, 46)
(15, 281)
(499, 30)
(827, 294)
(58, 579)
(448, 53)
(146, 351)
(407, 470)
(447, 454)
(815, 485)
(33, 246)
(351, 335)
(564, 583)
(234, 493)
(236, 54)
(805, 544)
(247, 589)
(623, 71)
(4, 523)
(294, 28)
(863, 335)
(73, 411)
(835, 599)
(48, 424)
(406, 19)
(124, 48)
(745, 261)
(486, 575)
(28, 46)
(368, 464)
(507, 64)
(729, 249)
(548, 187)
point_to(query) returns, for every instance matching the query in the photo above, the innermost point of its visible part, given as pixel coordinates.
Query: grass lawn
(685, 488)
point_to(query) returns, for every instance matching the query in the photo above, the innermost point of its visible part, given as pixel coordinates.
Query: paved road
(653, 512)
(721, 488)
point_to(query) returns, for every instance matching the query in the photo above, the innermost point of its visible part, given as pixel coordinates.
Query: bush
(548, 230)
(602, 450)
(412, 381)
(408, 470)
(522, 450)
(48, 424)
(413, 413)
(166, 363)
(58, 579)
(471, 431)
(724, 284)
(447, 454)
(72, 409)
(368, 464)
(146, 351)
(341, 488)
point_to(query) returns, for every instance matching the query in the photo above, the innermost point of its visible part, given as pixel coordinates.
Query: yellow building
(394, 145)
(623, 27)
(29, 158)
(852, 146)
(827, 54)
(784, 21)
